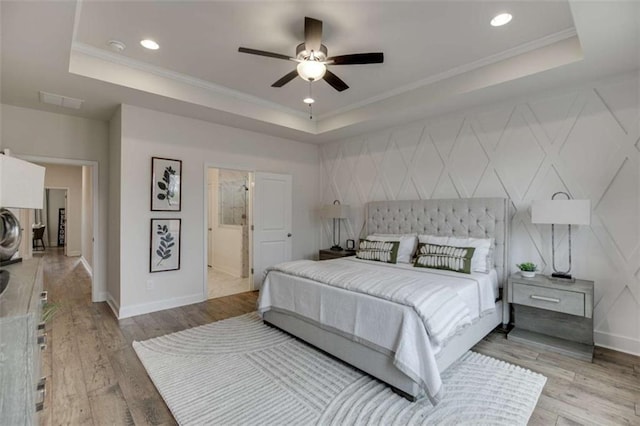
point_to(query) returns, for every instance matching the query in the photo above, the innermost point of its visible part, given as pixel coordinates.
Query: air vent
(59, 100)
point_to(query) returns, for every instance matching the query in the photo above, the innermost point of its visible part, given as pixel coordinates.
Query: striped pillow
(457, 259)
(381, 251)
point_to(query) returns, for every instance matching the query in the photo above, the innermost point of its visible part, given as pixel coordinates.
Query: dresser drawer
(568, 302)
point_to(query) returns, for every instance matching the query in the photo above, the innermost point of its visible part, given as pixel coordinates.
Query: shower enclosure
(229, 191)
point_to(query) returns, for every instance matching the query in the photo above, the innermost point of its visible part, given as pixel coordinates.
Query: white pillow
(408, 244)
(482, 260)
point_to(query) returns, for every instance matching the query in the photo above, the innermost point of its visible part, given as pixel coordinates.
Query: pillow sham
(407, 248)
(380, 251)
(482, 258)
(457, 259)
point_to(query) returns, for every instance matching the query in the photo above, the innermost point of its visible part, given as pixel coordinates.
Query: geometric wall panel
(583, 142)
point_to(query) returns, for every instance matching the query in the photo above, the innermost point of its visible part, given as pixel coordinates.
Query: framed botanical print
(165, 245)
(166, 182)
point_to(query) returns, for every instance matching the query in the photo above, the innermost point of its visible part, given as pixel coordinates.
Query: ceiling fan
(313, 60)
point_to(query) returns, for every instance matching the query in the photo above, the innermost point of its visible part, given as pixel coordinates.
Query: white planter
(528, 274)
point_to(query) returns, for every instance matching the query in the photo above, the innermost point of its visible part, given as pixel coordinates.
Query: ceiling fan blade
(263, 53)
(312, 34)
(334, 81)
(357, 59)
(287, 78)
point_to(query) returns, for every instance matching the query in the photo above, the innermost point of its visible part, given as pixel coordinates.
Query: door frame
(98, 288)
(205, 209)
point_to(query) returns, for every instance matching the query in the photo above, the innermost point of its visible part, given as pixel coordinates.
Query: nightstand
(553, 315)
(327, 254)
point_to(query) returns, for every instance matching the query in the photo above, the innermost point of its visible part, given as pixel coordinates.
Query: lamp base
(561, 277)
(337, 248)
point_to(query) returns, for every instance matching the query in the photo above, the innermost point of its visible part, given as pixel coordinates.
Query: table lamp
(336, 211)
(561, 212)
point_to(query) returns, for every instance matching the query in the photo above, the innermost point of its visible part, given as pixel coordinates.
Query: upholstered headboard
(460, 217)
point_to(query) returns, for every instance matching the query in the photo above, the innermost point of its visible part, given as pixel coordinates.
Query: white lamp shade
(21, 183)
(311, 70)
(336, 211)
(561, 212)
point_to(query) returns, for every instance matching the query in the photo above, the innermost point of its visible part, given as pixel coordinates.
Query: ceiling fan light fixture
(311, 70)
(308, 101)
(501, 19)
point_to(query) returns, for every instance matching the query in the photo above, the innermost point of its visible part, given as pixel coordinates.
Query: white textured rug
(240, 371)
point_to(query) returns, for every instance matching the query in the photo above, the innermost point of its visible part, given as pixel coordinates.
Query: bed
(382, 337)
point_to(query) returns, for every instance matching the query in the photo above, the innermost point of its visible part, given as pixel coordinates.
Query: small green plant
(527, 267)
(49, 310)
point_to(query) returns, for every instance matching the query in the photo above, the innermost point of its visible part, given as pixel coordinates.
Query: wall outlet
(150, 285)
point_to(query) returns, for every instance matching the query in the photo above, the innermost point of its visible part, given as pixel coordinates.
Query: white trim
(617, 342)
(216, 89)
(160, 305)
(86, 265)
(115, 306)
(453, 72)
(74, 253)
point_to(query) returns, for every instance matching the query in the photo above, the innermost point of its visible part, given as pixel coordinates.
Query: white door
(272, 219)
(212, 201)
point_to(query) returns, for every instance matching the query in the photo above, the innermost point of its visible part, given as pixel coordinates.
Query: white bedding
(377, 322)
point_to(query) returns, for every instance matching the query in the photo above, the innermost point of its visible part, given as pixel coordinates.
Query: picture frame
(166, 185)
(165, 244)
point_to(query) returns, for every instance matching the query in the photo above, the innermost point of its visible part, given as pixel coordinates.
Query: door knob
(289, 234)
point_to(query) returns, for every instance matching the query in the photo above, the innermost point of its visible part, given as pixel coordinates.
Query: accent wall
(583, 141)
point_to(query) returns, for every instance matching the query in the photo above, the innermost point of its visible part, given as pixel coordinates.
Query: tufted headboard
(460, 217)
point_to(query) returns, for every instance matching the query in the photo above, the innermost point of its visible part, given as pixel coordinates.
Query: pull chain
(310, 103)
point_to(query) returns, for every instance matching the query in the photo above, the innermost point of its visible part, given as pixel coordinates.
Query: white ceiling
(438, 56)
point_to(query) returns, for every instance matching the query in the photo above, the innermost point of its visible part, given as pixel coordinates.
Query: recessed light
(501, 19)
(150, 44)
(308, 100)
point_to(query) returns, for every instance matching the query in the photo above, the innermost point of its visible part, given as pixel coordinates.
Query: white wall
(583, 142)
(115, 181)
(35, 133)
(147, 133)
(87, 217)
(69, 177)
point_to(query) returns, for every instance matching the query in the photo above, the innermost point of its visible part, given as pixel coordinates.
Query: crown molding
(212, 88)
(453, 72)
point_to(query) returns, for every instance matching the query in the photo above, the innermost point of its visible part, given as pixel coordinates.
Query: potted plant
(527, 269)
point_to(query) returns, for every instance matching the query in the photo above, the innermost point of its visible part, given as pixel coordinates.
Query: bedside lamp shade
(21, 186)
(561, 212)
(336, 211)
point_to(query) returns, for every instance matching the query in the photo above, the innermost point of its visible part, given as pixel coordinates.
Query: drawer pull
(42, 341)
(44, 296)
(546, 299)
(41, 389)
(42, 326)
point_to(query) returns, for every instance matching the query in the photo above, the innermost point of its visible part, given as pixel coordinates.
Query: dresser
(327, 254)
(553, 315)
(21, 339)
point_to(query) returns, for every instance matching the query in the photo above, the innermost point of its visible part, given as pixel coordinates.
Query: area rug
(240, 371)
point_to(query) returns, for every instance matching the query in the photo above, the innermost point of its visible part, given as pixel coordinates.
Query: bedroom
(496, 141)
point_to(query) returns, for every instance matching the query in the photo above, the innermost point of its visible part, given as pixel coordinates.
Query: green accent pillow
(381, 251)
(457, 259)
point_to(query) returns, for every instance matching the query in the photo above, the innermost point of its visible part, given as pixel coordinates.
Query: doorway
(53, 218)
(229, 208)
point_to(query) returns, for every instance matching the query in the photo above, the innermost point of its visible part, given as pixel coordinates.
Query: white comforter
(413, 313)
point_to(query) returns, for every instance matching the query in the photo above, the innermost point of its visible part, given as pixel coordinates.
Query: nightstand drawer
(568, 302)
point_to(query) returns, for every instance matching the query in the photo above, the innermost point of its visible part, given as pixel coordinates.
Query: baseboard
(100, 297)
(115, 306)
(74, 253)
(86, 265)
(617, 343)
(160, 305)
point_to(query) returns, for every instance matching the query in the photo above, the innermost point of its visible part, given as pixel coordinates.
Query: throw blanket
(439, 308)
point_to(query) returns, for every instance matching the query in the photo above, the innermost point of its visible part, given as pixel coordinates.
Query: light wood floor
(94, 376)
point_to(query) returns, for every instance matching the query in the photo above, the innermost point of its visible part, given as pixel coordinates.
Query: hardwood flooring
(94, 376)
